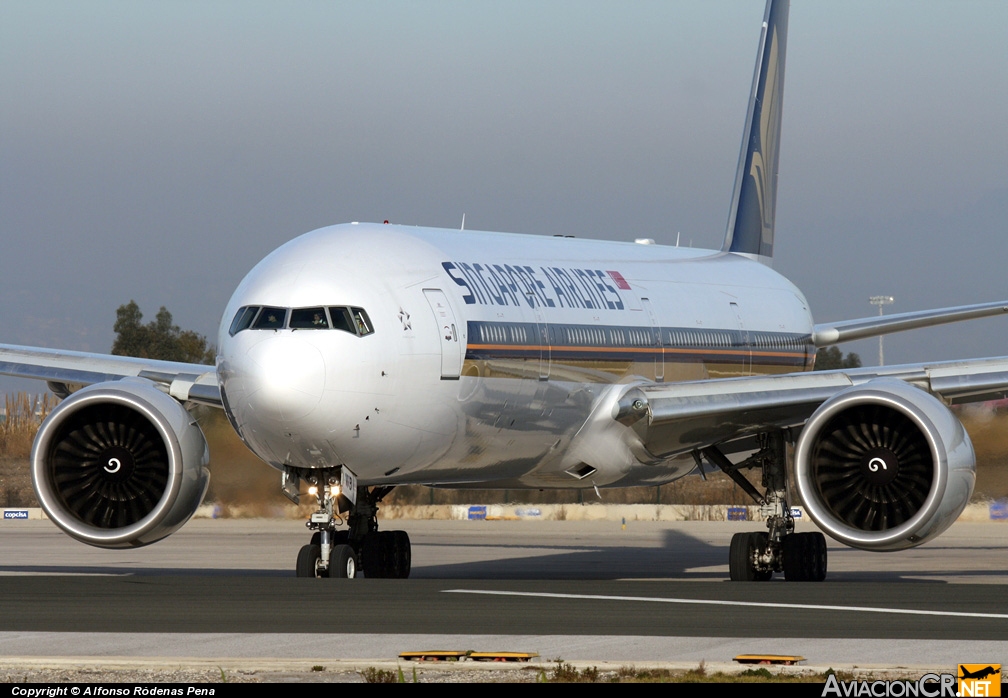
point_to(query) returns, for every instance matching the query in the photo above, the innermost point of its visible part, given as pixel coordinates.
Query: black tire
(794, 557)
(740, 554)
(401, 554)
(817, 548)
(374, 555)
(804, 557)
(307, 561)
(342, 562)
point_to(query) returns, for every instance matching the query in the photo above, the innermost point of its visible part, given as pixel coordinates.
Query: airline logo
(15, 513)
(550, 287)
(979, 680)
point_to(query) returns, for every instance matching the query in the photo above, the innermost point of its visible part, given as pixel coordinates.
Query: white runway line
(718, 602)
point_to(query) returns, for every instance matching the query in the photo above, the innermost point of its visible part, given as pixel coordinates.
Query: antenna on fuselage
(677, 233)
(463, 222)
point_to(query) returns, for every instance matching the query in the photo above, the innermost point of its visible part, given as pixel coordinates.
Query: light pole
(880, 301)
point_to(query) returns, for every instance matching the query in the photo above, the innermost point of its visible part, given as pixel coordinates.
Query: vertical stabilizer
(754, 199)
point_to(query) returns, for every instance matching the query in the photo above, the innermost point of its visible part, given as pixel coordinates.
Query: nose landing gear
(342, 554)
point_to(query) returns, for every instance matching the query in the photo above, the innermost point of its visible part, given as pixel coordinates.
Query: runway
(581, 591)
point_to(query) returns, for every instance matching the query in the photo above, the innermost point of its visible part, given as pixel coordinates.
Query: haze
(156, 151)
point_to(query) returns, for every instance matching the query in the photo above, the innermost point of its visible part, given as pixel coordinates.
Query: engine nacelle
(884, 466)
(120, 464)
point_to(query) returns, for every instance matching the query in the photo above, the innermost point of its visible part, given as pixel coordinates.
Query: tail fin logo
(751, 218)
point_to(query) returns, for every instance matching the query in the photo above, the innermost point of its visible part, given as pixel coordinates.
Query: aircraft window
(309, 319)
(361, 321)
(341, 320)
(243, 319)
(270, 319)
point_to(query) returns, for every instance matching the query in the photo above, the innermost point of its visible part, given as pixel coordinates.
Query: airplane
(979, 673)
(363, 356)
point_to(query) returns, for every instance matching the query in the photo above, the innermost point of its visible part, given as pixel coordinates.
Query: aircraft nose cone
(289, 376)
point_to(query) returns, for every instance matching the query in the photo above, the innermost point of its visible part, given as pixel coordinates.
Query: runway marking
(752, 604)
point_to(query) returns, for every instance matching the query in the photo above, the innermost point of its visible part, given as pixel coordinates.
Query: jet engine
(884, 466)
(120, 464)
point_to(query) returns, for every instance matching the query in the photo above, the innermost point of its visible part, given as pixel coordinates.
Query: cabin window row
(502, 333)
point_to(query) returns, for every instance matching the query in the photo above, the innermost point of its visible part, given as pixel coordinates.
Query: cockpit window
(270, 319)
(309, 319)
(352, 320)
(341, 319)
(361, 321)
(243, 319)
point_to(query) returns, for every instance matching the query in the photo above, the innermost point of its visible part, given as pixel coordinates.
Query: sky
(156, 151)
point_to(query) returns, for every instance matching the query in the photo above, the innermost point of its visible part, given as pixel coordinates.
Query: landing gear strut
(361, 547)
(755, 556)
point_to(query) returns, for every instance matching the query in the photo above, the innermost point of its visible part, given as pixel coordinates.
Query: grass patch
(375, 675)
(564, 672)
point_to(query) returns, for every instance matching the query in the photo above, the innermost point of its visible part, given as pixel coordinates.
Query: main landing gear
(361, 547)
(755, 556)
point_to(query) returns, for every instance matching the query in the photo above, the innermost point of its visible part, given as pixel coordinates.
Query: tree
(158, 339)
(832, 358)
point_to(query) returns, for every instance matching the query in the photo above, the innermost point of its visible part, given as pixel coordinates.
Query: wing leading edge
(184, 382)
(827, 334)
(676, 418)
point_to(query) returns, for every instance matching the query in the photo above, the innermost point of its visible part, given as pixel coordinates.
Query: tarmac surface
(222, 593)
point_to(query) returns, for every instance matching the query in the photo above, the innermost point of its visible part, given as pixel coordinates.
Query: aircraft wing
(826, 334)
(184, 382)
(673, 418)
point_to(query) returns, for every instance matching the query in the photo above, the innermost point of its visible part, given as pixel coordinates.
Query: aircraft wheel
(740, 558)
(817, 559)
(342, 562)
(307, 561)
(374, 555)
(804, 557)
(401, 554)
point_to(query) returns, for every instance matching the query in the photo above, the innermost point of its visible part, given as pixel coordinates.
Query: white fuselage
(480, 356)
